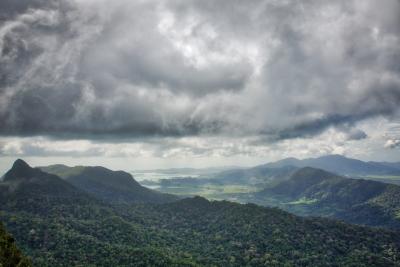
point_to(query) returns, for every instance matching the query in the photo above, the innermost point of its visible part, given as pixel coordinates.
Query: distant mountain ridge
(341, 165)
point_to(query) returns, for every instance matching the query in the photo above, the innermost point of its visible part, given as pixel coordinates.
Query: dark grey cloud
(10, 9)
(356, 134)
(392, 143)
(183, 68)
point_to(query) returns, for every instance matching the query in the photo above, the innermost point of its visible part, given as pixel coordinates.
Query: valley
(305, 191)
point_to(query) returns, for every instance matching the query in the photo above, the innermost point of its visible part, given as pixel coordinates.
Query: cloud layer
(269, 70)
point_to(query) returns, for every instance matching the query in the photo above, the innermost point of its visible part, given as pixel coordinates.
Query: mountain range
(341, 165)
(283, 168)
(275, 172)
(58, 224)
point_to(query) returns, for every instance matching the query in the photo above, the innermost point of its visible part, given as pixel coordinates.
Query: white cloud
(392, 143)
(199, 79)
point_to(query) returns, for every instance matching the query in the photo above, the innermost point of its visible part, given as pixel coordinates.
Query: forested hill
(23, 185)
(110, 186)
(317, 192)
(189, 232)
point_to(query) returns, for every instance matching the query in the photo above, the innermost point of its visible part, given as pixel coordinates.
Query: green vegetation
(303, 201)
(306, 192)
(210, 191)
(319, 193)
(10, 255)
(390, 179)
(63, 171)
(75, 229)
(228, 184)
(195, 232)
(110, 186)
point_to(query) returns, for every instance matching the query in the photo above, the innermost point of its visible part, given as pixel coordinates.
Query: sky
(158, 84)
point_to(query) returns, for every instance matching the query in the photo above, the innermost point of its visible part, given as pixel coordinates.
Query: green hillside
(189, 232)
(110, 186)
(319, 193)
(10, 255)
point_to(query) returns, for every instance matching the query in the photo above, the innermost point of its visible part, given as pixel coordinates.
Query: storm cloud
(122, 69)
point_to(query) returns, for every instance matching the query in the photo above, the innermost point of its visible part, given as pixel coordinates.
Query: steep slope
(340, 164)
(23, 185)
(316, 192)
(10, 255)
(110, 186)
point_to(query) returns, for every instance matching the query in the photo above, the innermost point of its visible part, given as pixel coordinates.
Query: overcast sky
(156, 84)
